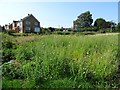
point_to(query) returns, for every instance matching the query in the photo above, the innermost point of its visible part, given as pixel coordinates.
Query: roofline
(28, 17)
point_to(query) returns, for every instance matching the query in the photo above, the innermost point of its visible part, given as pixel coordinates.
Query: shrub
(7, 48)
(89, 29)
(59, 32)
(62, 33)
(12, 70)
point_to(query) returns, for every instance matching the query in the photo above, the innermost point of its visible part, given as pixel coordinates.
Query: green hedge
(89, 29)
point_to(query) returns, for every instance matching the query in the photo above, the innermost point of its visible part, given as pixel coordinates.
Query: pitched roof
(28, 17)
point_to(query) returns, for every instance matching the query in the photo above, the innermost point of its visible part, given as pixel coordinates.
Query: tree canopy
(84, 20)
(100, 23)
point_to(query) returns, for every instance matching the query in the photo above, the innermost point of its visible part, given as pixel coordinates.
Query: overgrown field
(60, 61)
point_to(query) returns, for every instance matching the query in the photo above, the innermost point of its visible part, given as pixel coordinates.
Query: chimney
(28, 14)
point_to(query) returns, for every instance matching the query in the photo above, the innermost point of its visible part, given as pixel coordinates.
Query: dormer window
(36, 23)
(28, 22)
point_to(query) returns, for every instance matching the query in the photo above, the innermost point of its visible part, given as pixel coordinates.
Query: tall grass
(68, 61)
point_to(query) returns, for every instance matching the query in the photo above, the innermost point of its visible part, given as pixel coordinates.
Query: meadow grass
(65, 61)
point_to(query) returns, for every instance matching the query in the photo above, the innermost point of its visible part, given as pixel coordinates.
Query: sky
(57, 14)
(59, 0)
(119, 12)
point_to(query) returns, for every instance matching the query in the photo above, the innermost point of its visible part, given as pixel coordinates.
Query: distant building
(27, 24)
(6, 27)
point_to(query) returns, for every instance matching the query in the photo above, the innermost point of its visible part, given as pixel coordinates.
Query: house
(6, 27)
(27, 24)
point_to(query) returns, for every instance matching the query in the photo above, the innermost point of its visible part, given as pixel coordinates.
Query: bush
(45, 31)
(10, 32)
(7, 48)
(62, 33)
(102, 31)
(117, 29)
(95, 29)
(12, 70)
(59, 32)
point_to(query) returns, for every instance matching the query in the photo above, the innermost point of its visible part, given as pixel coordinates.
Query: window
(28, 22)
(37, 29)
(36, 23)
(28, 28)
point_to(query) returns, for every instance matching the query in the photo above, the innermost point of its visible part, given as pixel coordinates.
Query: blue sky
(119, 12)
(57, 14)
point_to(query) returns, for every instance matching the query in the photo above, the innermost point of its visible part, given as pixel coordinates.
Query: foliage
(64, 61)
(84, 20)
(61, 83)
(51, 29)
(108, 24)
(7, 84)
(62, 33)
(118, 27)
(45, 31)
(95, 29)
(7, 48)
(100, 23)
(12, 69)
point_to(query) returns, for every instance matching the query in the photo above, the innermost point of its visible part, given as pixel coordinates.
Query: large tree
(100, 23)
(84, 20)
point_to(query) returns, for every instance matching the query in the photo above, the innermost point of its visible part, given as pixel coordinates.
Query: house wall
(14, 25)
(11, 26)
(32, 25)
(20, 26)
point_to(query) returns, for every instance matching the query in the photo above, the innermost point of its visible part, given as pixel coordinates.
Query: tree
(108, 24)
(3, 28)
(100, 23)
(83, 20)
(113, 24)
(51, 29)
(118, 27)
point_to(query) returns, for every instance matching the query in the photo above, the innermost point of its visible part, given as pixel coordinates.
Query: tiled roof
(28, 17)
